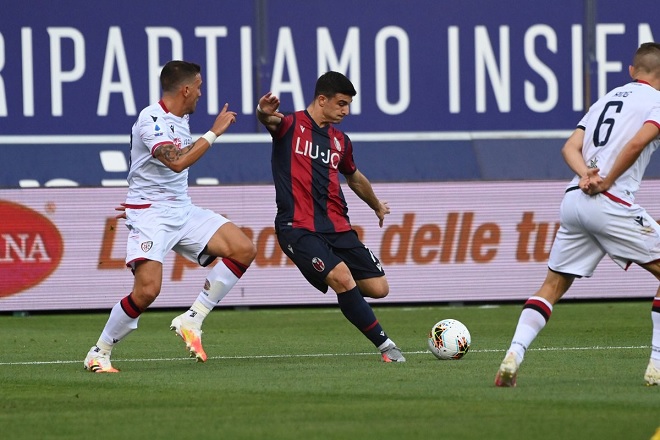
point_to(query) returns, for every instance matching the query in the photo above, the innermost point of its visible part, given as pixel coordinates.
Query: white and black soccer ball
(449, 339)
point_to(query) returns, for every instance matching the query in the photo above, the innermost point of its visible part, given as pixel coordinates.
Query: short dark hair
(647, 58)
(331, 83)
(176, 72)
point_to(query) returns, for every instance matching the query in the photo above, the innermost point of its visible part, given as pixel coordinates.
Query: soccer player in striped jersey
(608, 152)
(313, 229)
(161, 217)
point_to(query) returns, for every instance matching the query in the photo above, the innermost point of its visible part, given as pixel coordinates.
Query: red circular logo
(31, 248)
(318, 264)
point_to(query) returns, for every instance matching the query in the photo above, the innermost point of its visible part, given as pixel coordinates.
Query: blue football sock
(359, 313)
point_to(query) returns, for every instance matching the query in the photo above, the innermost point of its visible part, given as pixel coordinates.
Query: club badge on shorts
(146, 246)
(318, 264)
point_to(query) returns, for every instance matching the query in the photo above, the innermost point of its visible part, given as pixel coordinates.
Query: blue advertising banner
(77, 70)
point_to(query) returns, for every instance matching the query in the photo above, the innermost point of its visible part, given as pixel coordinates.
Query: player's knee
(248, 252)
(144, 295)
(374, 287)
(340, 279)
(379, 294)
(244, 251)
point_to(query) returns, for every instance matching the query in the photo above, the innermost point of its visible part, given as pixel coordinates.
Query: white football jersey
(610, 123)
(149, 180)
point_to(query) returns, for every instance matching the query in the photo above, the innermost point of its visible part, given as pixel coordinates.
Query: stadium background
(461, 112)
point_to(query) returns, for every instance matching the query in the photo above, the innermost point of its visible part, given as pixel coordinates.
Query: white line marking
(285, 356)
(413, 136)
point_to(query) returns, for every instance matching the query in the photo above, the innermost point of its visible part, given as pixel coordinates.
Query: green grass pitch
(308, 374)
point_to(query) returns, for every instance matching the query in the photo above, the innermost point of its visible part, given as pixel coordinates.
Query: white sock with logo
(219, 282)
(533, 319)
(119, 325)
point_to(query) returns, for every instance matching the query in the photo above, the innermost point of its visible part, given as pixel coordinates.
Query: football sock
(655, 341)
(382, 347)
(123, 320)
(534, 316)
(359, 313)
(220, 280)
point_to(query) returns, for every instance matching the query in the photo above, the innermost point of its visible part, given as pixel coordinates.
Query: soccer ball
(449, 339)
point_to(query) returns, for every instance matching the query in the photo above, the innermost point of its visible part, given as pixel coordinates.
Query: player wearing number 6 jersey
(608, 152)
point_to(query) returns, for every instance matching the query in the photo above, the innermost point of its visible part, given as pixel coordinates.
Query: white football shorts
(594, 226)
(158, 229)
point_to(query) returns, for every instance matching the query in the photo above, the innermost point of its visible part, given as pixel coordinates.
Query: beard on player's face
(192, 106)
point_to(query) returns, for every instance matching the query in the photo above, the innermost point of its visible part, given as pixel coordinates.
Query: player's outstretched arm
(179, 159)
(361, 186)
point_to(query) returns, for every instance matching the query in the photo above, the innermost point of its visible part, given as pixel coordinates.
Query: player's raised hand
(224, 120)
(269, 104)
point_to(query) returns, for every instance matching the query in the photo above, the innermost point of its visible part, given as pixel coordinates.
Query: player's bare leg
(376, 287)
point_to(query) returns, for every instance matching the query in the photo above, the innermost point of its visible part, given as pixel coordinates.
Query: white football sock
(219, 282)
(119, 325)
(530, 324)
(385, 344)
(655, 340)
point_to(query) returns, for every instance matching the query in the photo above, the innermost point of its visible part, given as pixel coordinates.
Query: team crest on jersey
(337, 144)
(146, 246)
(318, 264)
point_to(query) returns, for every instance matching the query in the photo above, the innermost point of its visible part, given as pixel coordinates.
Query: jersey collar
(163, 106)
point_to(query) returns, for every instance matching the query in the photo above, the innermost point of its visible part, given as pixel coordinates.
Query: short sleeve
(154, 133)
(347, 164)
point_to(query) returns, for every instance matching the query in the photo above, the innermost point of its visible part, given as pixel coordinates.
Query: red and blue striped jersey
(306, 163)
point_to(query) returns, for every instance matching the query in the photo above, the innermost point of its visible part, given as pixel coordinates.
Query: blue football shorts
(316, 254)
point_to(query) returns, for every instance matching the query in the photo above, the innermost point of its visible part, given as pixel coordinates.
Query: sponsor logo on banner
(31, 248)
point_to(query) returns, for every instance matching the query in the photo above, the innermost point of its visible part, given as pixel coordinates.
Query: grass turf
(308, 374)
